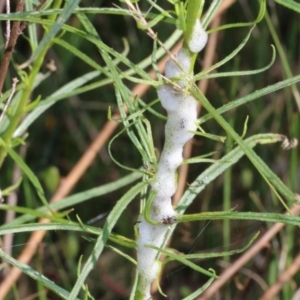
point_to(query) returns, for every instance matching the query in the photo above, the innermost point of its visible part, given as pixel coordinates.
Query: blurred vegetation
(60, 136)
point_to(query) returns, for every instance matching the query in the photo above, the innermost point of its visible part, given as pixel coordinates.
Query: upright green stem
(193, 14)
(227, 207)
(181, 123)
(22, 104)
(282, 55)
(21, 109)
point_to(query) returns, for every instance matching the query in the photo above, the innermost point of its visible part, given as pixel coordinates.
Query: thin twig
(13, 89)
(248, 255)
(7, 35)
(136, 14)
(282, 279)
(25, 23)
(250, 275)
(15, 32)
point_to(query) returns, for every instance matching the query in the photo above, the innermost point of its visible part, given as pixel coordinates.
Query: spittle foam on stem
(181, 121)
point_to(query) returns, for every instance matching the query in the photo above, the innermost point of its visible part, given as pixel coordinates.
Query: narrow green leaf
(62, 93)
(200, 290)
(270, 177)
(242, 73)
(184, 261)
(261, 13)
(199, 159)
(36, 276)
(213, 7)
(34, 213)
(71, 201)
(33, 36)
(223, 215)
(217, 254)
(78, 53)
(70, 226)
(8, 190)
(80, 10)
(226, 59)
(27, 171)
(102, 239)
(62, 18)
(219, 167)
(255, 95)
(118, 251)
(291, 4)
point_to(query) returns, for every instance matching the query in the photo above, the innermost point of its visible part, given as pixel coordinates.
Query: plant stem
(21, 109)
(192, 14)
(181, 123)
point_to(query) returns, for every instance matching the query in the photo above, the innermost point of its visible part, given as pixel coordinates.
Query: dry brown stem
(282, 279)
(7, 34)
(15, 32)
(248, 255)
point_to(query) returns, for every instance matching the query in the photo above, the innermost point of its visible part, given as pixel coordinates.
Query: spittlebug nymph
(168, 220)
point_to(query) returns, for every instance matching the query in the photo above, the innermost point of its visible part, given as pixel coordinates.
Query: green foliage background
(59, 137)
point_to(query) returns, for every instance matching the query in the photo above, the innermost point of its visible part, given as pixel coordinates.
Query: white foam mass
(164, 186)
(182, 118)
(172, 159)
(167, 96)
(181, 64)
(149, 235)
(198, 39)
